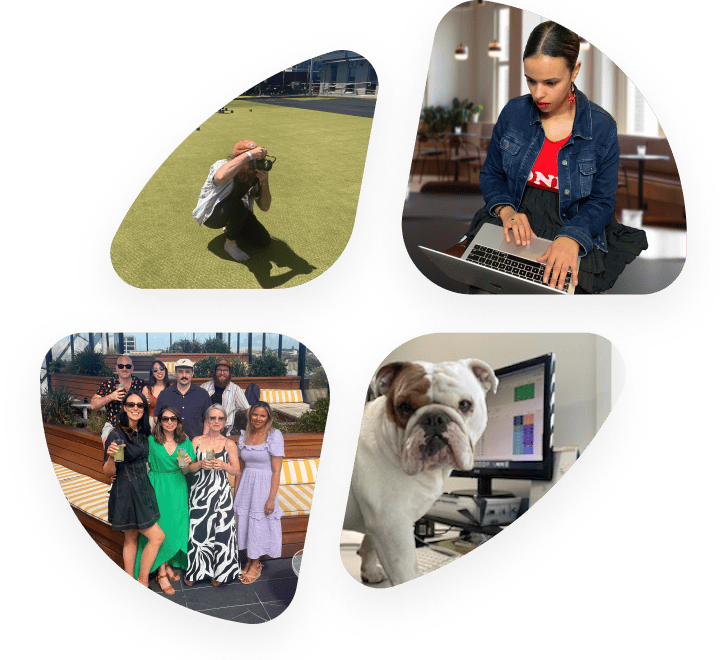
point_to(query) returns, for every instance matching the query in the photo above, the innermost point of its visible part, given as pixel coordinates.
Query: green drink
(210, 455)
(181, 458)
(120, 454)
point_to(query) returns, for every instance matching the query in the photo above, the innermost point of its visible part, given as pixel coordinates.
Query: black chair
(427, 148)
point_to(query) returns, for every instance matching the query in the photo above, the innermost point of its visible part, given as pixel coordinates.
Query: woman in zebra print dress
(213, 544)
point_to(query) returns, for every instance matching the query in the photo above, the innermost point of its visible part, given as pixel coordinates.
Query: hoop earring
(571, 96)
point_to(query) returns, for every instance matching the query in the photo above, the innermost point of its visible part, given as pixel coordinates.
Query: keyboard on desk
(506, 263)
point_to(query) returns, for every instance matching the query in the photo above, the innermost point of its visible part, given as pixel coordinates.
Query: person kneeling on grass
(228, 196)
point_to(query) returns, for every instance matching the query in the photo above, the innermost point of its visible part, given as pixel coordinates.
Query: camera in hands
(264, 165)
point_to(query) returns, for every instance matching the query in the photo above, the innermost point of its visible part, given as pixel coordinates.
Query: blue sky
(161, 340)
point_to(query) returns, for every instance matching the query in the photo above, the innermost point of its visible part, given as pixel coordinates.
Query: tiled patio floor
(265, 599)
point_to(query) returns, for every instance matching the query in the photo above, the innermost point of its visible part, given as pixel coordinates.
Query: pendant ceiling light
(461, 52)
(494, 49)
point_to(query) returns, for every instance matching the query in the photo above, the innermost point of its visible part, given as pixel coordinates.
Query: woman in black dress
(132, 507)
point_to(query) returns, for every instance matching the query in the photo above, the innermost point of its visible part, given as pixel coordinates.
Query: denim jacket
(587, 167)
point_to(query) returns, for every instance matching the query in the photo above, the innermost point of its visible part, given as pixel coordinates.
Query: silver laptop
(492, 264)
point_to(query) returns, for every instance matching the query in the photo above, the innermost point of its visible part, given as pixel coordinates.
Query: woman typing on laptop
(552, 171)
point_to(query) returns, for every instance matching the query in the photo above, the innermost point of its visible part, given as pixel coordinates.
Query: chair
(426, 148)
(625, 184)
(462, 150)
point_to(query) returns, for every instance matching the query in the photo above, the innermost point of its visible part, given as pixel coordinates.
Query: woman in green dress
(168, 479)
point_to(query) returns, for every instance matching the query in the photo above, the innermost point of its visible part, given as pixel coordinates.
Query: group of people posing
(158, 438)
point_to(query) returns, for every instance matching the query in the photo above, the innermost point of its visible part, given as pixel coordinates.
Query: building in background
(336, 73)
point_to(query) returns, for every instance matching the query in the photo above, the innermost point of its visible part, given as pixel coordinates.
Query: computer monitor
(517, 443)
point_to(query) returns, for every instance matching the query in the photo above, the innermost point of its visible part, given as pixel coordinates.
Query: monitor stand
(485, 491)
(495, 508)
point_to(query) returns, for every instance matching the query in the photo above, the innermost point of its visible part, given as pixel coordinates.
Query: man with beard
(192, 401)
(223, 391)
(228, 196)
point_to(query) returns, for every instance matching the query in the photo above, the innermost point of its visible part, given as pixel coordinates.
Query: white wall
(471, 79)
(474, 78)
(583, 378)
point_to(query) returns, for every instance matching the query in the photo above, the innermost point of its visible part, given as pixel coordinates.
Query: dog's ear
(384, 378)
(484, 373)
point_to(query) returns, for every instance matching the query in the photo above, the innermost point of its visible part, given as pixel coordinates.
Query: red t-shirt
(544, 172)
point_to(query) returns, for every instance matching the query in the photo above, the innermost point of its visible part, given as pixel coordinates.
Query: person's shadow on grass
(261, 261)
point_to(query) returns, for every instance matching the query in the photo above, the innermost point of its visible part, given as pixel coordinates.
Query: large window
(503, 66)
(639, 118)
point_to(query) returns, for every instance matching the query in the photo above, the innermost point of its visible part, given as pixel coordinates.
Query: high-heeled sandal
(250, 576)
(166, 590)
(172, 574)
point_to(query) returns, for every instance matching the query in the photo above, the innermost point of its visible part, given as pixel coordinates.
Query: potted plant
(56, 407)
(89, 363)
(476, 112)
(436, 117)
(460, 113)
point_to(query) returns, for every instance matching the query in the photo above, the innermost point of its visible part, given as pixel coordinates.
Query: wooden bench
(77, 456)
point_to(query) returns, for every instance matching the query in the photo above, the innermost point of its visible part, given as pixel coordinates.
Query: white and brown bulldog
(423, 424)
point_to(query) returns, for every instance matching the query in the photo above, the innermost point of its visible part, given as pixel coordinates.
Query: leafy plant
(460, 112)
(205, 368)
(186, 346)
(239, 423)
(314, 420)
(267, 365)
(95, 421)
(88, 362)
(56, 407)
(215, 345)
(238, 368)
(436, 117)
(57, 365)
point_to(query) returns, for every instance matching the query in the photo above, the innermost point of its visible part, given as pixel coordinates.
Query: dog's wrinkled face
(438, 410)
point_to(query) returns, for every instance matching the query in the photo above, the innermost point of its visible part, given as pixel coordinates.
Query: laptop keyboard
(507, 263)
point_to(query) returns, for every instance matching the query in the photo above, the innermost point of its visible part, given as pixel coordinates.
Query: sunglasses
(168, 419)
(133, 404)
(215, 419)
(124, 366)
(157, 370)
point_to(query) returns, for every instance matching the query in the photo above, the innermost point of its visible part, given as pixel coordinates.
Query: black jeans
(240, 224)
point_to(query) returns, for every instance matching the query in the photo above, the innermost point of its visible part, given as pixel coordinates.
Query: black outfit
(239, 222)
(217, 395)
(598, 270)
(192, 406)
(132, 503)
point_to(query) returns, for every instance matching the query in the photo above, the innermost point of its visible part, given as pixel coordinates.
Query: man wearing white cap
(192, 401)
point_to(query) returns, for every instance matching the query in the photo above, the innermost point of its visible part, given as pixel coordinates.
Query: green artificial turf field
(315, 185)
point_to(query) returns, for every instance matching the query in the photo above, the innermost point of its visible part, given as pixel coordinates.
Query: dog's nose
(434, 422)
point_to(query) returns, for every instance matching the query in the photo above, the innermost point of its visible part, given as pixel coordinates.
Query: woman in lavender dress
(256, 502)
